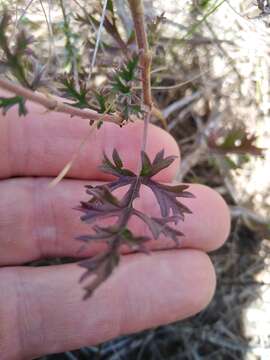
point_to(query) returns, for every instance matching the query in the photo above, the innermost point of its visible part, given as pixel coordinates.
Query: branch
(52, 104)
(137, 11)
(179, 104)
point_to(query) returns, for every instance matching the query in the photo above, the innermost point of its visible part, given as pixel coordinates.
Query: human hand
(41, 308)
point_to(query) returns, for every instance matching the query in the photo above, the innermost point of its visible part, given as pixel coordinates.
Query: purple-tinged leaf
(167, 198)
(165, 229)
(159, 157)
(104, 204)
(92, 215)
(94, 237)
(101, 266)
(178, 189)
(134, 242)
(103, 195)
(101, 206)
(159, 226)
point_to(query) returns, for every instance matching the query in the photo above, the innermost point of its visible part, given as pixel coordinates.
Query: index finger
(42, 143)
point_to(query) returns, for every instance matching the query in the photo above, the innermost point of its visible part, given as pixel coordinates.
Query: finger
(39, 222)
(42, 143)
(144, 292)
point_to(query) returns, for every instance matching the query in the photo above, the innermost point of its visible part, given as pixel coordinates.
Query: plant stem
(137, 11)
(53, 104)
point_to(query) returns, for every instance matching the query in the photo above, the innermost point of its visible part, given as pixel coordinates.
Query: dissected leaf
(3, 28)
(79, 95)
(146, 165)
(15, 58)
(158, 164)
(114, 169)
(167, 198)
(105, 102)
(104, 204)
(101, 267)
(123, 78)
(128, 72)
(117, 160)
(8, 103)
(159, 226)
(72, 56)
(237, 141)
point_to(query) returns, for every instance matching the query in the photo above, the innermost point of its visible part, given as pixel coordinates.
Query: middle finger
(38, 222)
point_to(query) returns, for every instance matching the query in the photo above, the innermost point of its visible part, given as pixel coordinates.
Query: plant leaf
(104, 204)
(69, 90)
(101, 266)
(159, 226)
(159, 163)
(236, 140)
(8, 103)
(117, 160)
(167, 198)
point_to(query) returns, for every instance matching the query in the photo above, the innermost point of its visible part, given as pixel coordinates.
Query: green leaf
(146, 165)
(110, 6)
(70, 90)
(128, 72)
(15, 60)
(125, 75)
(121, 86)
(203, 4)
(101, 101)
(3, 27)
(8, 103)
(117, 160)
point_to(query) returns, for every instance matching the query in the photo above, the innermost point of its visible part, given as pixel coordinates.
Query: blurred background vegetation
(210, 78)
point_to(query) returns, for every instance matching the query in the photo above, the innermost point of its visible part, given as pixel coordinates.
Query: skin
(41, 309)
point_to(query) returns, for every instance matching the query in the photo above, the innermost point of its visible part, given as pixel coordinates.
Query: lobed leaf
(167, 198)
(115, 169)
(70, 91)
(104, 204)
(159, 226)
(15, 58)
(101, 266)
(236, 140)
(8, 103)
(160, 162)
